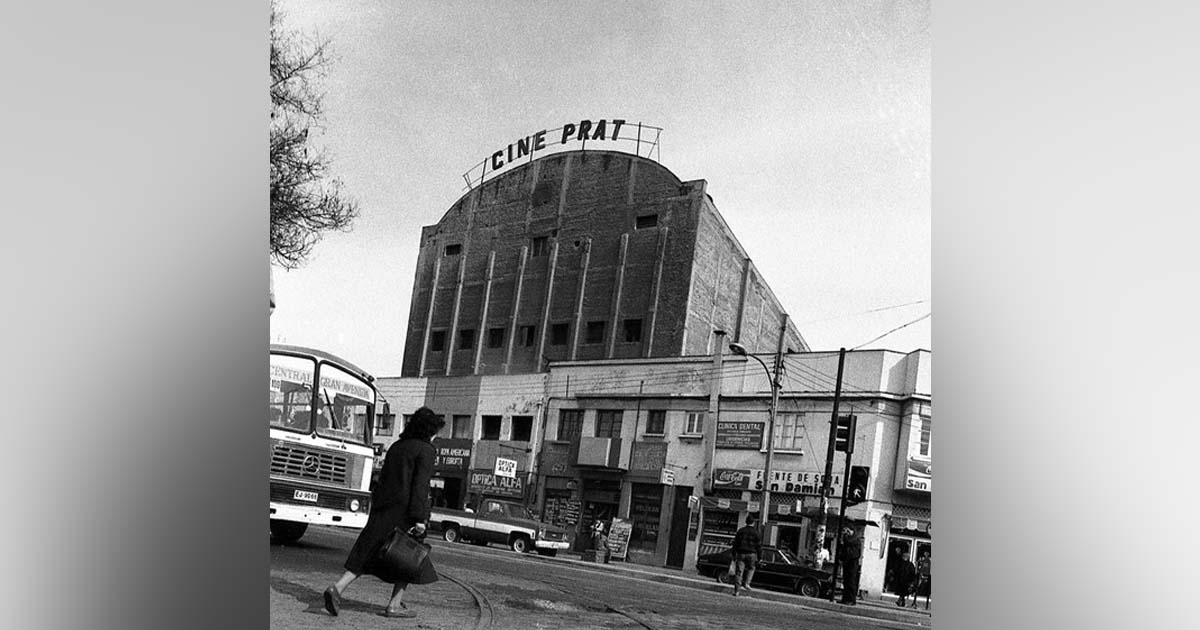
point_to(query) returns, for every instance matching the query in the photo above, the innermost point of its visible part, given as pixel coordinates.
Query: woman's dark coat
(400, 499)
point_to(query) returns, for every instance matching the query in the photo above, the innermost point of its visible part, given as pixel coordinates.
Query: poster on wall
(805, 482)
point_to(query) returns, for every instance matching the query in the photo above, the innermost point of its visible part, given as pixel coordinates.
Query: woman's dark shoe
(402, 612)
(332, 600)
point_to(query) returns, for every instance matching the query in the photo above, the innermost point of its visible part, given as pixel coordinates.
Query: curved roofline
(324, 356)
(517, 169)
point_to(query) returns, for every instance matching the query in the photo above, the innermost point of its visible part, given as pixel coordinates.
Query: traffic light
(856, 487)
(843, 439)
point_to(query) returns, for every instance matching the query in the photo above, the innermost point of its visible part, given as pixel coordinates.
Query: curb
(917, 618)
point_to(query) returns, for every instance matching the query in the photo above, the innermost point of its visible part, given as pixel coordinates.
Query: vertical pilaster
(516, 309)
(659, 257)
(615, 316)
(451, 341)
(483, 317)
(584, 262)
(437, 270)
(541, 344)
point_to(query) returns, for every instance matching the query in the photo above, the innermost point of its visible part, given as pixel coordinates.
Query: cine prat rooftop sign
(610, 133)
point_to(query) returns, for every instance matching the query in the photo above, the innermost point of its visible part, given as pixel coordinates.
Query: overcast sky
(810, 122)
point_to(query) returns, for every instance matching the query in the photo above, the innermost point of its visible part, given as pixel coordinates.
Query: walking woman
(400, 500)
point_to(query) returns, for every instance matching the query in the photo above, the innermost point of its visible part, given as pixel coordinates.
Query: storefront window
(570, 424)
(645, 508)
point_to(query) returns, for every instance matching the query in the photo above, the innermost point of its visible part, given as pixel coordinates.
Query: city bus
(322, 412)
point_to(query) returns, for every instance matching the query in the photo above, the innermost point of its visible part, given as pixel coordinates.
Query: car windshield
(788, 556)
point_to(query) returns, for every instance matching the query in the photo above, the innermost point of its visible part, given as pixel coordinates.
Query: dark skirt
(380, 525)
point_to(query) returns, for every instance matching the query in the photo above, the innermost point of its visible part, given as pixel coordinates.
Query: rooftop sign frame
(615, 134)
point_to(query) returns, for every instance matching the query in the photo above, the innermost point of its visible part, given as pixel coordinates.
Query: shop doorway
(680, 520)
(897, 547)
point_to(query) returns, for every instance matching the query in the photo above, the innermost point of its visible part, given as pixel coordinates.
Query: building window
(491, 428)
(460, 426)
(656, 422)
(541, 246)
(608, 423)
(466, 339)
(385, 423)
(522, 428)
(447, 429)
(495, 338)
(633, 330)
(453, 250)
(558, 334)
(789, 432)
(595, 333)
(380, 451)
(570, 424)
(694, 424)
(437, 341)
(926, 435)
(645, 221)
(528, 335)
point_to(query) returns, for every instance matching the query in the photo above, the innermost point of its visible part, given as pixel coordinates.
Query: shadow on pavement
(315, 599)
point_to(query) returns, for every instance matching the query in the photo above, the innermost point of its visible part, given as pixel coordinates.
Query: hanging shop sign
(505, 468)
(667, 477)
(740, 435)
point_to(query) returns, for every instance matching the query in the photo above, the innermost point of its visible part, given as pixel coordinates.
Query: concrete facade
(578, 256)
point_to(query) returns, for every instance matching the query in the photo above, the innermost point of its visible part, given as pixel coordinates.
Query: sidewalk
(884, 608)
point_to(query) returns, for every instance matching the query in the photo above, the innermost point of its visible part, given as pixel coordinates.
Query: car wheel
(519, 544)
(808, 588)
(724, 577)
(287, 531)
(450, 534)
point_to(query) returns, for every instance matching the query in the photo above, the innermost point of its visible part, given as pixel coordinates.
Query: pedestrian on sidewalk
(906, 580)
(924, 575)
(399, 500)
(600, 542)
(849, 552)
(747, 545)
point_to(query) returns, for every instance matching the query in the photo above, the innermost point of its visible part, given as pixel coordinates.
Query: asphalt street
(491, 587)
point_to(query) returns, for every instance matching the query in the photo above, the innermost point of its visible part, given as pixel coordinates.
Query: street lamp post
(738, 348)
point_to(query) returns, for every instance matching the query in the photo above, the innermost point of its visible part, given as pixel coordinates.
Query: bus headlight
(353, 505)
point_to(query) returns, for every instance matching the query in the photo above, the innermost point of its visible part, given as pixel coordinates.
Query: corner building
(577, 256)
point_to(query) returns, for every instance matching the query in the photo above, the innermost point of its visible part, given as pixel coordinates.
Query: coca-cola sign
(731, 478)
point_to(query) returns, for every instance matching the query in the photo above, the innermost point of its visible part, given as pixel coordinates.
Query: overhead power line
(893, 330)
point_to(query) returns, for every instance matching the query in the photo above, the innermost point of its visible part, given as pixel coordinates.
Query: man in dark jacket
(906, 580)
(848, 554)
(747, 545)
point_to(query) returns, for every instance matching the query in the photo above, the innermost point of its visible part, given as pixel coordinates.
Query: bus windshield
(343, 404)
(291, 392)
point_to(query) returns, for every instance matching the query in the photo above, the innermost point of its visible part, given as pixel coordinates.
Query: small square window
(460, 426)
(522, 428)
(495, 337)
(694, 424)
(646, 221)
(437, 341)
(528, 335)
(595, 332)
(466, 339)
(541, 246)
(453, 250)
(491, 428)
(558, 334)
(633, 330)
(656, 422)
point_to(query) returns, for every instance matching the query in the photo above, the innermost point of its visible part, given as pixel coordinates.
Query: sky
(810, 121)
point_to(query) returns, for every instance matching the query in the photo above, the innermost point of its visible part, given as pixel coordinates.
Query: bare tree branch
(305, 200)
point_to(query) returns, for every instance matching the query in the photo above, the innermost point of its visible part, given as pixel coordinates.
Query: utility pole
(827, 480)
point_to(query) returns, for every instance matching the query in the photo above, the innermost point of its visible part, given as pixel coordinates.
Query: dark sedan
(777, 568)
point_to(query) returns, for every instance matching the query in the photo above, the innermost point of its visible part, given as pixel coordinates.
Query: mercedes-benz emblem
(311, 465)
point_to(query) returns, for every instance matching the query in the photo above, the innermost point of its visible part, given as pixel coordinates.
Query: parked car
(506, 522)
(777, 568)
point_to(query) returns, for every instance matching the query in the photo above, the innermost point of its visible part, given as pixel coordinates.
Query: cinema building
(573, 314)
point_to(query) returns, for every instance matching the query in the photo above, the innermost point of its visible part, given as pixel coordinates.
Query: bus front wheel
(287, 531)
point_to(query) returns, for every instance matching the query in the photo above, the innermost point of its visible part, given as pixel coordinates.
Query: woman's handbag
(403, 558)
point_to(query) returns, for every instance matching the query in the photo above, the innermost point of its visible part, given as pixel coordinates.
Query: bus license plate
(305, 495)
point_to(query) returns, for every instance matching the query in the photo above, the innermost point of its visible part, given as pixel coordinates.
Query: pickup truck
(506, 522)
